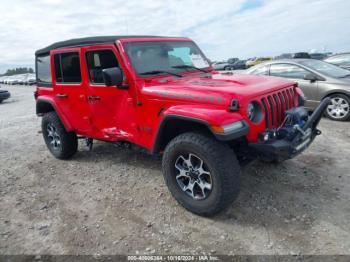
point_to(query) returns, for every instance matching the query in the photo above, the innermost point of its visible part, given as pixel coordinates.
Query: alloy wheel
(193, 176)
(53, 136)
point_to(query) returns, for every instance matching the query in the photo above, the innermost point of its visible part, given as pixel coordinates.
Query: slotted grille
(275, 105)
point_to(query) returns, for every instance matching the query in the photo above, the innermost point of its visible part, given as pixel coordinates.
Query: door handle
(62, 96)
(94, 98)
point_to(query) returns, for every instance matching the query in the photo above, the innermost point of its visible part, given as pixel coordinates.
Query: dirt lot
(114, 201)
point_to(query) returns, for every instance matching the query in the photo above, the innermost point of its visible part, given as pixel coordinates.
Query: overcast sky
(223, 28)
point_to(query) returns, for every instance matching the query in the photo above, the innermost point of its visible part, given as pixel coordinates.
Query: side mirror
(113, 77)
(310, 76)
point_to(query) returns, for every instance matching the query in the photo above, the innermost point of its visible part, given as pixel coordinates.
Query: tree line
(18, 70)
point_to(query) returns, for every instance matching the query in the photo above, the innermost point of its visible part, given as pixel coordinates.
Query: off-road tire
(345, 117)
(220, 160)
(68, 140)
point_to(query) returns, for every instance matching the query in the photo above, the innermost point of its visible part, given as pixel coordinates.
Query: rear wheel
(62, 144)
(201, 173)
(339, 108)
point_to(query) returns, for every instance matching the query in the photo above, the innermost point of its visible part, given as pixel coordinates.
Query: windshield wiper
(155, 72)
(188, 67)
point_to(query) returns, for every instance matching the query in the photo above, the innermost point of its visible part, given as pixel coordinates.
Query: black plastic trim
(222, 137)
(89, 41)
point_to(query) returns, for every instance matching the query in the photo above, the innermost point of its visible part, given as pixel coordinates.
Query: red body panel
(135, 114)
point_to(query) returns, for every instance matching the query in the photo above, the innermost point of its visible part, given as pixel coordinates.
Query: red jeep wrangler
(161, 94)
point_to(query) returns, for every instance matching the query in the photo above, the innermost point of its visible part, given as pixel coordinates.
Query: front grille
(275, 105)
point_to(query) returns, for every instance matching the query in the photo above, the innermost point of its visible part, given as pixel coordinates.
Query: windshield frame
(183, 72)
(306, 64)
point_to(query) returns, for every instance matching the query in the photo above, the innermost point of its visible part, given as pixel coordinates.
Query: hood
(218, 87)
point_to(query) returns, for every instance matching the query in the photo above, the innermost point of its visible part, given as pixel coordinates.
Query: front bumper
(282, 149)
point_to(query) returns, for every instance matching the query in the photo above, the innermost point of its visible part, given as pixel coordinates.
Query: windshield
(325, 68)
(162, 57)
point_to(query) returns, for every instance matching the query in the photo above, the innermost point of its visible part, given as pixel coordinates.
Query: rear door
(69, 90)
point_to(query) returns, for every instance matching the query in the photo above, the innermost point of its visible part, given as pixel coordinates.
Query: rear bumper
(282, 149)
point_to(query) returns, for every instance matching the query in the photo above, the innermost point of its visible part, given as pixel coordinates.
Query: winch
(294, 122)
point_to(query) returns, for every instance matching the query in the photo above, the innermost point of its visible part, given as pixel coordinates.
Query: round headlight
(254, 112)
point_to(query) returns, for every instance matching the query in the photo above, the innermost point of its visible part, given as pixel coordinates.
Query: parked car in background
(12, 80)
(301, 55)
(232, 60)
(240, 64)
(21, 78)
(30, 79)
(257, 61)
(4, 94)
(317, 79)
(342, 60)
(223, 65)
(284, 56)
(318, 56)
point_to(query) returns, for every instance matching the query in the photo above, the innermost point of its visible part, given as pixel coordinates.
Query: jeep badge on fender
(162, 94)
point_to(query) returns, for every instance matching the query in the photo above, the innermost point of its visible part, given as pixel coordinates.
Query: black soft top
(89, 41)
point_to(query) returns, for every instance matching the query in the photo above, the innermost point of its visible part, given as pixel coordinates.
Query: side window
(263, 70)
(288, 71)
(97, 61)
(43, 69)
(67, 67)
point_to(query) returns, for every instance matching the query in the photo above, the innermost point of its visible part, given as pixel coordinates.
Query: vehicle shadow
(104, 151)
(274, 196)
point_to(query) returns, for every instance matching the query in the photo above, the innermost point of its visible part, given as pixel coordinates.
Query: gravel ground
(114, 201)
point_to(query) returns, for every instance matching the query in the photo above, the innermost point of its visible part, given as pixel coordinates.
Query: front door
(108, 105)
(69, 88)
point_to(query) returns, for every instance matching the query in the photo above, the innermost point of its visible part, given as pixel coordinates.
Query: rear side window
(43, 70)
(67, 67)
(97, 61)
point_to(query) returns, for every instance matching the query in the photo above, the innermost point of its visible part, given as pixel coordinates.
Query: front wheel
(339, 108)
(201, 173)
(62, 144)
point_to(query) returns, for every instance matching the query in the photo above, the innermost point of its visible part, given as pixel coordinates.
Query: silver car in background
(341, 60)
(317, 79)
